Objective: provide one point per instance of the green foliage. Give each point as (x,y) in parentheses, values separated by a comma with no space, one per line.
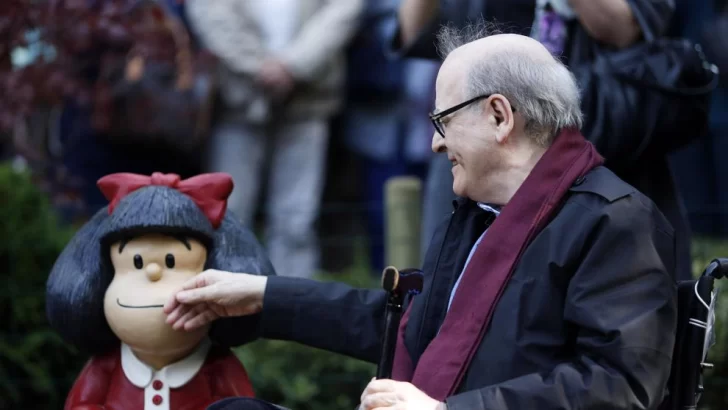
(35,365)
(303,378)
(37,368)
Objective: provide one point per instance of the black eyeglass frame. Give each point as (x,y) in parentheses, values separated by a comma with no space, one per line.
(436,117)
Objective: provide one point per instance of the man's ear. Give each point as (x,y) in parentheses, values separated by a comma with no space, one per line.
(500,108)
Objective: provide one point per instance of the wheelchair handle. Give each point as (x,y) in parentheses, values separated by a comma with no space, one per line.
(717,269)
(397,284)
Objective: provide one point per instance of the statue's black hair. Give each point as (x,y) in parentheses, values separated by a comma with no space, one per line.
(82,273)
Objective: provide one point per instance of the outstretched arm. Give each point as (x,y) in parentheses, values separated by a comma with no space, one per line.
(330,316)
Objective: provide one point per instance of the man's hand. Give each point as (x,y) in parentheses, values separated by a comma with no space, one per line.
(213,294)
(608,21)
(275,77)
(392,395)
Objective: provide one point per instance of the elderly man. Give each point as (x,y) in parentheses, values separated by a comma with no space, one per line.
(550,286)
(574,25)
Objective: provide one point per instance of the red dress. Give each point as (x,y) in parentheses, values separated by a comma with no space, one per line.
(104,383)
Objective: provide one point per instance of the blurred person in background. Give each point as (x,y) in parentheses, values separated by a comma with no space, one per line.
(563,26)
(87,154)
(385,121)
(700,169)
(281,81)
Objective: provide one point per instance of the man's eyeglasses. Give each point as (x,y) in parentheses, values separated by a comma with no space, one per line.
(436,118)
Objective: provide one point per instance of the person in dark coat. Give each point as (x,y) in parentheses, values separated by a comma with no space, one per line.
(613,23)
(551,285)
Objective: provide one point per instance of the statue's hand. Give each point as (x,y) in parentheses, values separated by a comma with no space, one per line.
(214,294)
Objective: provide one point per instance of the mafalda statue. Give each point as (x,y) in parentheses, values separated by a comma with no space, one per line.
(107,289)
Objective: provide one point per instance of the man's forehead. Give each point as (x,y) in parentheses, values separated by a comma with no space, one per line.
(449,85)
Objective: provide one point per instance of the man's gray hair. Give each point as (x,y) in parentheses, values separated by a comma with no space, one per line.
(546,95)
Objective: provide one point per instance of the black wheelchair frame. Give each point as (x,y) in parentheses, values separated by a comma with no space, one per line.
(696,310)
(696,317)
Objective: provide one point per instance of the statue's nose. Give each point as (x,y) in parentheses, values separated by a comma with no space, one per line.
(154,272)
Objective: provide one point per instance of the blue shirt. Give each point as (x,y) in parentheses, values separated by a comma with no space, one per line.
(472,252)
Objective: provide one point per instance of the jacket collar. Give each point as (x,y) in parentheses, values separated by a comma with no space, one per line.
(176,374)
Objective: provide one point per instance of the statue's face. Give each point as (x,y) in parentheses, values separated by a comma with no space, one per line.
(147,269)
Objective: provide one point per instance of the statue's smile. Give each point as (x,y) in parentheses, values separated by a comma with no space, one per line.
(137,307)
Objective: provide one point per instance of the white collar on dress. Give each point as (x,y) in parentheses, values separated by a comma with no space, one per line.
(176,374)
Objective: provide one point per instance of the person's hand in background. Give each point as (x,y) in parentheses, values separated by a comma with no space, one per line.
(414,16)
(276,78)
(213,294)
(609,21)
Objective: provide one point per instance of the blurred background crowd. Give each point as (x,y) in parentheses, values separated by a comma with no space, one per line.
(308,104)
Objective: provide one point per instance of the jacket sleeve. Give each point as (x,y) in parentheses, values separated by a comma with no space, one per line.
(326,315)
(228,33)
(323,36)
(91,386)
(622,305)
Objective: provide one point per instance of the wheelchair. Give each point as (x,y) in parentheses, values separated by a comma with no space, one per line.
(695,336)
(696,318)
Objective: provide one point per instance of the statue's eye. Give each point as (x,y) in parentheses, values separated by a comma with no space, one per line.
(138,261)
(169,260)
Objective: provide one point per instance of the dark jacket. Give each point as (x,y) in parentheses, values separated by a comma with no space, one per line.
(586,322)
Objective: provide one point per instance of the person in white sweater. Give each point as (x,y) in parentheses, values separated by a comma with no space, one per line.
(281,79)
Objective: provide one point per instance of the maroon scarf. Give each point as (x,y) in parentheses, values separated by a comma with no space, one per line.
(446,359)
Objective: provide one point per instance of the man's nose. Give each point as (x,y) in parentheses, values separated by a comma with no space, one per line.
(438,143)
(154,272)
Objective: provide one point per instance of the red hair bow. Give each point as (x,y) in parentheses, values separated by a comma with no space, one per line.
(209,191)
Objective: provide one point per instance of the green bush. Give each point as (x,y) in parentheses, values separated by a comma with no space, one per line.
(303,378)
(36,367)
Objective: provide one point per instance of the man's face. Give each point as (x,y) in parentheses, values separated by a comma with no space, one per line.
(147,269)
(469,142)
